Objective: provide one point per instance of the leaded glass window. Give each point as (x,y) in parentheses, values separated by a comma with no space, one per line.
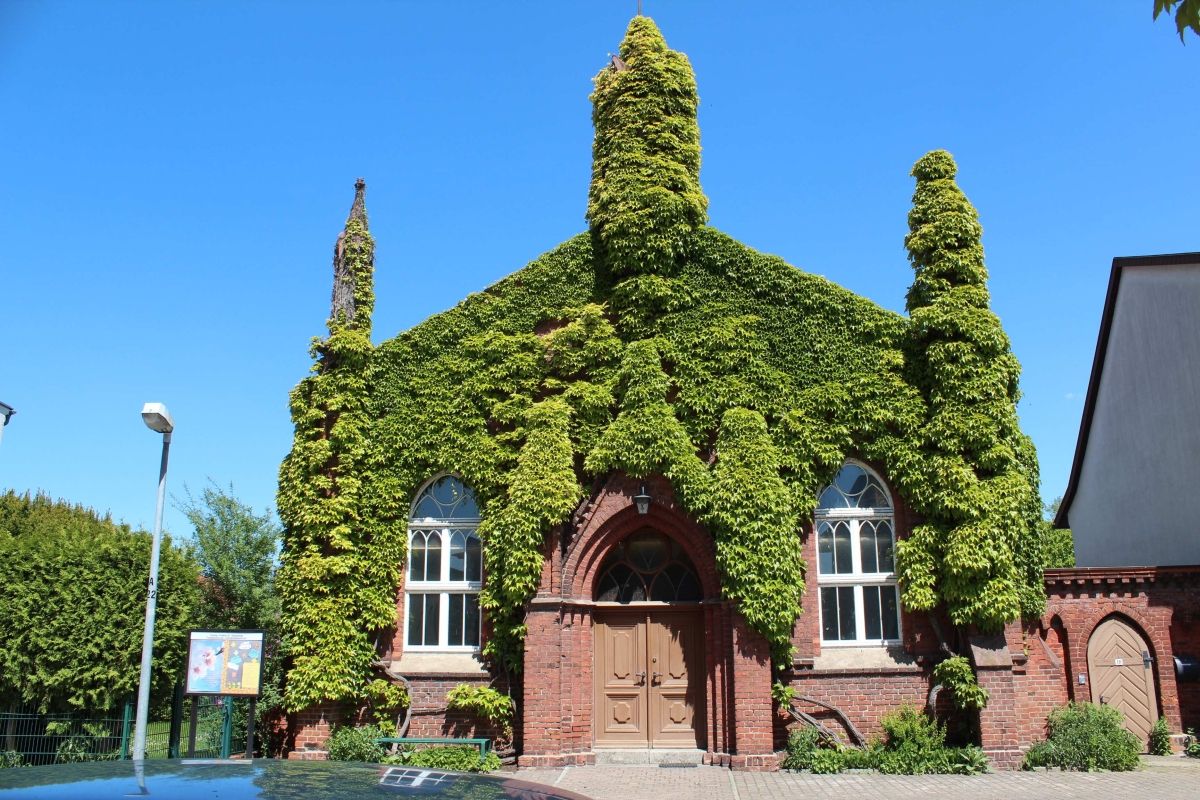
(856,560)
(445,568)
(647,566)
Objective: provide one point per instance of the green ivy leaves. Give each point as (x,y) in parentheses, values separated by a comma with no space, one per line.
(979,548)
(655,346)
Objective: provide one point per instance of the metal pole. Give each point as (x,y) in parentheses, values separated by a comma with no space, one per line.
(126,719)
(250,728)
(176,722)
(143,703)
(226,727)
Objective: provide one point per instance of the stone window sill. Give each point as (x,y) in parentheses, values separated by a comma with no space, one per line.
(439,663)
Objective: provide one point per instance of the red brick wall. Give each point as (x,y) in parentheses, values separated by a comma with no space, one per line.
(864,695)
(741,727)
(1163,603)
(310,729)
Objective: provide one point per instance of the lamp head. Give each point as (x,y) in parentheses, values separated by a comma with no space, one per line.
(7,411)
(157,418)
(642,501)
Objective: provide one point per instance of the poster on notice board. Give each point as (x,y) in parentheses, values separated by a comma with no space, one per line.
(225,663)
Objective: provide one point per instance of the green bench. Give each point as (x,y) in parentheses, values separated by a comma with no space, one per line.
(484,745)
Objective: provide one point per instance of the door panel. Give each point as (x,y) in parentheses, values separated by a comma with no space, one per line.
(675,656)
(650,678)
(621,681)
(1120,677)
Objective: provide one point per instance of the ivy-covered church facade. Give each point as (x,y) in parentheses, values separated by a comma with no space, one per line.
(664,492)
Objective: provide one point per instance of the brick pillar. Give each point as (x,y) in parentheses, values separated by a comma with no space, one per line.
(312,727)
(1000,722)
(999,726)
(541,715)
(751,712)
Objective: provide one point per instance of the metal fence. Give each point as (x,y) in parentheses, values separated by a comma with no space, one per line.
(35,738)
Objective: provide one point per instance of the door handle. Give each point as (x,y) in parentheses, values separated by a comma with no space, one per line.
(654,678)
(641,678)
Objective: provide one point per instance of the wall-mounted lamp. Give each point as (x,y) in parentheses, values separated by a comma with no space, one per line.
(6,411)
(642,500)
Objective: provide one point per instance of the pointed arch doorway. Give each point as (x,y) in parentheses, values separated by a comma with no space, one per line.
(1120,667)
(649,666)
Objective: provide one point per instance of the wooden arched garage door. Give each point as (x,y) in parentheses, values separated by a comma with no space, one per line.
(1122,674)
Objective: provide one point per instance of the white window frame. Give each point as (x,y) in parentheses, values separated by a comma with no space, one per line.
(443,586)
(856,578)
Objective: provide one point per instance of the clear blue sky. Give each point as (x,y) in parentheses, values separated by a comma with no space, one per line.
(173,176)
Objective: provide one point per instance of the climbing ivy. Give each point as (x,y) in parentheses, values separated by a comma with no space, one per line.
(653,345)
(339,570)
(978,549)
(956,675)
(645,200)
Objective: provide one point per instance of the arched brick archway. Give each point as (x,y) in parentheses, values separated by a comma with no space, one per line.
(559,704)
(1151,600)
(612,524)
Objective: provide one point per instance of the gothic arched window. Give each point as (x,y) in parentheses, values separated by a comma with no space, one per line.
(445,568)
(647,566)
(856,559)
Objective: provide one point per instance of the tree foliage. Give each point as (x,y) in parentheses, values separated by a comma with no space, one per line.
(236,550)
(1058,546)
(73,603)
(1187,14)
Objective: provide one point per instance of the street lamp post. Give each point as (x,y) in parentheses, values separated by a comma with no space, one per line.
(157,419)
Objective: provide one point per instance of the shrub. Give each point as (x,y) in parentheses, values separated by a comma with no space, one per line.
(864,758)
(1160,738)
(10,759)
(1193,745)
(1085,737)
(970,760)
(827,762)
(914,744)
(802,743)
(93,743)
(460,758)
(356,744)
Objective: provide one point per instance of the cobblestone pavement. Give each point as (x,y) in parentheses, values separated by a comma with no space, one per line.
(1160,779)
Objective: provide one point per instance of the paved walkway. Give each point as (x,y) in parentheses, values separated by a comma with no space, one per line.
(1161,779)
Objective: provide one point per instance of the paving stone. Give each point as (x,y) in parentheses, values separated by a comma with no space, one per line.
(1159,779)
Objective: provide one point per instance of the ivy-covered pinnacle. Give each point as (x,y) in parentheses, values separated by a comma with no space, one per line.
(338,571)
(645,199)
(982,508)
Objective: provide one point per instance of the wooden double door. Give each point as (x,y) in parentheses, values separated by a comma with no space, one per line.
(649,672)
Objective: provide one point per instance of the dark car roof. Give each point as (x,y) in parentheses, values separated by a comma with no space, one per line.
(261,779)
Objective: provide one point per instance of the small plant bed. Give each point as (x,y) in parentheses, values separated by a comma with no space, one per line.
(1192,749)
(913,744)
(1085,737)
(362,744)
(454,757)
